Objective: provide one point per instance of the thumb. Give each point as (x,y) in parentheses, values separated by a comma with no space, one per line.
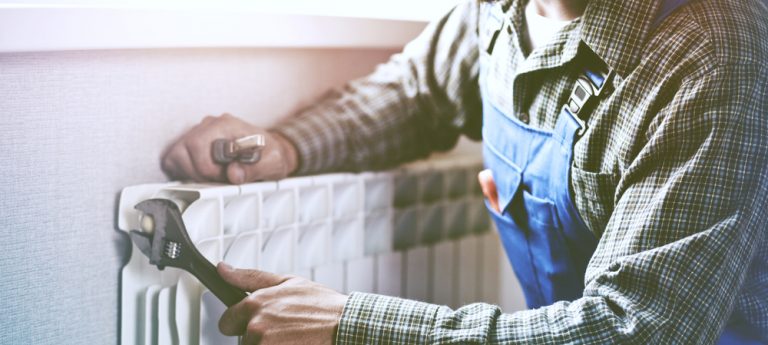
(236,173)
(278,160)
(488,186)
(269,167)
(248,280)
(239,173)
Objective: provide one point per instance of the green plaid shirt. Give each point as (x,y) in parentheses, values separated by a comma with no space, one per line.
(670,176)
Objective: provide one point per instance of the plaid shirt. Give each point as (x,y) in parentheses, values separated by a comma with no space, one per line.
(670,176)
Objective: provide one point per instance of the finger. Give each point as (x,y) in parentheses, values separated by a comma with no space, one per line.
(271,166)
(252,336)
(236,173)
(236,318)
(168,154)
(200,155)
(169,163)
(168,166)
(488,186)
(185,167)
(265,169)
(207,119)
(179,166)
(239,173)
(248,280)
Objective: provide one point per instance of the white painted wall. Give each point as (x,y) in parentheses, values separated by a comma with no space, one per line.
(79,126)
(76,126)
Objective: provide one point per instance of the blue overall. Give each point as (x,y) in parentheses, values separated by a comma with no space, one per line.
(547,242)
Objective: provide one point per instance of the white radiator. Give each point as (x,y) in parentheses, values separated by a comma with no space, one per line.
(419,232)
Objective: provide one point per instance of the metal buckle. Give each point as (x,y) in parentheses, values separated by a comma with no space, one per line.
(583,92)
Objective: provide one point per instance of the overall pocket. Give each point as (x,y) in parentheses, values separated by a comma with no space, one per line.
(531,234)
(549,253)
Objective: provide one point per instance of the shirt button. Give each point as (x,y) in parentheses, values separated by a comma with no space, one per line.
(524,118)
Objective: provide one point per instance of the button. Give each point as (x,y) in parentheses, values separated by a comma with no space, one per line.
(524,118)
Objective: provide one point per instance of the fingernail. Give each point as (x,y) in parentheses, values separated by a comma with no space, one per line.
(225,266)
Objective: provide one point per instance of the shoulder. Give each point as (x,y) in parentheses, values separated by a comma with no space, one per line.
(709,34)
(736,30)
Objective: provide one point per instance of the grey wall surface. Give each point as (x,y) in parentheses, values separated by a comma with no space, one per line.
(76,127)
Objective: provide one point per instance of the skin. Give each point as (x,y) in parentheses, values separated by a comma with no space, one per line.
(280,309)
(284,309)
(189,158)
(560,9)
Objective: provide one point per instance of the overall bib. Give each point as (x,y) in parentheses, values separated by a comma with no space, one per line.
(547,242)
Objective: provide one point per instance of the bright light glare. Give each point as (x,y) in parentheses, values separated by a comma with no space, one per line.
(422,10)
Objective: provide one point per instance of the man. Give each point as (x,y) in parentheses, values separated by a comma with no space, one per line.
(633,210)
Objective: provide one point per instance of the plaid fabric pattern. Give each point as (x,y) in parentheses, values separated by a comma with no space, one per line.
(671,174)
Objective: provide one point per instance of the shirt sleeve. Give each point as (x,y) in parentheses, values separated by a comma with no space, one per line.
(688,222)
(409,107)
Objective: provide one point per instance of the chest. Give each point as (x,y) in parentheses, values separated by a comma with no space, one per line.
(533,89)
(533,86)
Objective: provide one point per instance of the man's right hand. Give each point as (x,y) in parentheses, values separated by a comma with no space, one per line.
(190,156)
(488,186)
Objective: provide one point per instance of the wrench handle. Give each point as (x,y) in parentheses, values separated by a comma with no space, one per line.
(207,274)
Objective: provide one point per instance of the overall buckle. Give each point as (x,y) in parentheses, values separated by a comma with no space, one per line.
(589,86)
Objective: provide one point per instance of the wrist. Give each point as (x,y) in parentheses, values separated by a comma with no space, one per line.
(288,152)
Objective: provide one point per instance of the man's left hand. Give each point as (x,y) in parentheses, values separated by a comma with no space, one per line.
(281,309)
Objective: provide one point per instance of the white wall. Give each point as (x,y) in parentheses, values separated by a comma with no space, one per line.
(76,126)
(79,126)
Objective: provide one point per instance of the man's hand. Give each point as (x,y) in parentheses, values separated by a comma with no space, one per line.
(190,157)
(488,186)
(281,309)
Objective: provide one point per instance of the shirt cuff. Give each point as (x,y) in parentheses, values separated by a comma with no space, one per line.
(376,319)
(316,137)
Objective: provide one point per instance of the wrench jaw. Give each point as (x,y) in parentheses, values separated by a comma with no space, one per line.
(168,244)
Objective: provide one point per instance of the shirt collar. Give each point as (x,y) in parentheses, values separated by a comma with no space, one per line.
(561,48)
(617,29)
(614,29)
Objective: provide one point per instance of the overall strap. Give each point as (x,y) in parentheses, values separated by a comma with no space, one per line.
(588,87)
(596,74)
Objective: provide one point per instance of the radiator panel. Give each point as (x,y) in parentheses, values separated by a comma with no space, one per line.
(418,232)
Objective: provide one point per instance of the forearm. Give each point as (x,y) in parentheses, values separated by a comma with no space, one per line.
(416,103)
(374,319)
(628,303)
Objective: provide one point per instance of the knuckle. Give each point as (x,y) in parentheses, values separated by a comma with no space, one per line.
(166,164)
(175,149)
(291,277)
(195,145)
(253,302)
(256,327)
(170,161)
(294,280)
(207,121)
